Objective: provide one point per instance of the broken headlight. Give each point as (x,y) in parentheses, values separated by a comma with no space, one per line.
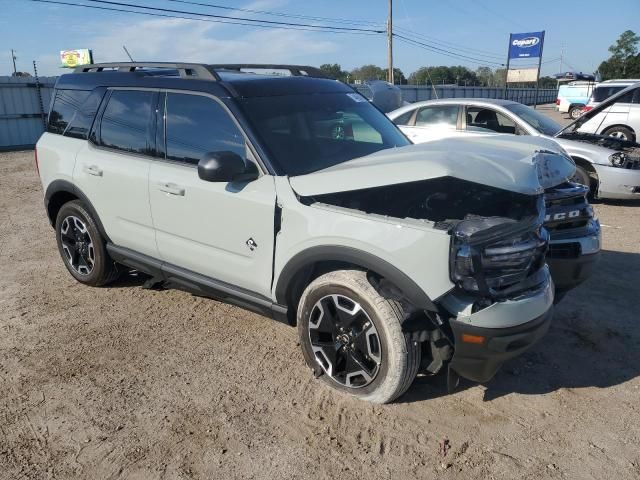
(496,257)
(624,160)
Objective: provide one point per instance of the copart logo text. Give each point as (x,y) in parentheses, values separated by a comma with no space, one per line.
(526,42)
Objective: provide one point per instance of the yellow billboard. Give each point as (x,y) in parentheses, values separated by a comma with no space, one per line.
(74,58)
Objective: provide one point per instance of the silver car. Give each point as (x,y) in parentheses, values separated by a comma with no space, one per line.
(608,165)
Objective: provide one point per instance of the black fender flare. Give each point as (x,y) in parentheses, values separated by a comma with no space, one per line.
(58,186)
(337,253)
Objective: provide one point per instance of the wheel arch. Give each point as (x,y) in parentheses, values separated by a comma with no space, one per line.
(622,125)
(593,173)
(309,264)
(60,192)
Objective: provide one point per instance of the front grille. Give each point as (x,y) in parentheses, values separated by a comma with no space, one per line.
(567,208)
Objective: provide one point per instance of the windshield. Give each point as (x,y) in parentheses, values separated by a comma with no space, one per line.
(538,121)
(306,133)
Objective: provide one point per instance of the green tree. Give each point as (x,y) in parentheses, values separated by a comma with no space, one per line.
(398,77)
(369,72)
(623,59)
(485,76)
(334,70)
(547,82)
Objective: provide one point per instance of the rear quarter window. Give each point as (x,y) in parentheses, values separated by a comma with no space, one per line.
(65,105)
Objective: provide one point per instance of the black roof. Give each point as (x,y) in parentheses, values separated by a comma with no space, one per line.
(220,80)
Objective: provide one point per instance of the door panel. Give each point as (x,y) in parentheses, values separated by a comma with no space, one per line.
(222,230)
(206,227)
(117,185)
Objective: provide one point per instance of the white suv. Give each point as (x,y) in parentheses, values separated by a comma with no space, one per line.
(621,118)
(295,197)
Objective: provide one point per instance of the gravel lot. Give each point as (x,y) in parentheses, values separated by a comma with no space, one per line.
(122,382)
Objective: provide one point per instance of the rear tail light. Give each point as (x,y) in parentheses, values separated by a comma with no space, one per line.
(36,159)
(557,101)
(586,108)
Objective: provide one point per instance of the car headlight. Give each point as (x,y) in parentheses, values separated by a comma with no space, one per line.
(496,266)
(618,159)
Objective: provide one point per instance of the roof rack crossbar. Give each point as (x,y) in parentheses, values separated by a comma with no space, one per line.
(197,71)
(294,70)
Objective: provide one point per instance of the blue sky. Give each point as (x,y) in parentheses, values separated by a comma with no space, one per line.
(585,28)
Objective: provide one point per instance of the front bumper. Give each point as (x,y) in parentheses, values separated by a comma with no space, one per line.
(572,260)
(617,183)
(485,339)
(479,362)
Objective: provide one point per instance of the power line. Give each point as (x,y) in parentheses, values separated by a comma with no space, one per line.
(321,29)
(450,45)
(281,14)
(227,17)
(445,52)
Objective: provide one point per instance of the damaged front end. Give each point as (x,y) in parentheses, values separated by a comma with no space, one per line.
(500,297)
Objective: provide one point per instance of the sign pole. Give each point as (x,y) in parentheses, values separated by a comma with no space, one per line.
(535,100)
(506,74)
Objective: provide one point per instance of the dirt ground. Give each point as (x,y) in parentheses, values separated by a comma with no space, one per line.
(122,382)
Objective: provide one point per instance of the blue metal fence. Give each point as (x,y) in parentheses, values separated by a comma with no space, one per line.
(419,93)
(22,110)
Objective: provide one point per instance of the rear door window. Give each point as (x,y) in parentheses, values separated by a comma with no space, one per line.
(197,125)
(65,104)
(445,115)
(600,94)
(126,122)
(405,118)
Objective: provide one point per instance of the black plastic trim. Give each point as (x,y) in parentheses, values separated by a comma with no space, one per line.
(337,253)
(480,362)
(198,284)
(65,186)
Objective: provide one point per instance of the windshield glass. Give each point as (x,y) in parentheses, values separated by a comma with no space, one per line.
(540,122)
(306,133)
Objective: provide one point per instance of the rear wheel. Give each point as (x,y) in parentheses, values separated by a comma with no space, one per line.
(81,246)
(623,133)
(575,111)
(352,337)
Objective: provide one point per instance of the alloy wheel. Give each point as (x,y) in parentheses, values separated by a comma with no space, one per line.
(77,245)
(345,341)
(619,135)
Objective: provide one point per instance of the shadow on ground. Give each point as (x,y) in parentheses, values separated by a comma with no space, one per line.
(594,340)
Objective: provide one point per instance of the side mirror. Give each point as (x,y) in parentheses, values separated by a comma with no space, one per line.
(226,166)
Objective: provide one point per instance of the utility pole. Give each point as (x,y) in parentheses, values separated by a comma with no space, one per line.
(13,59)
(561,57)
(390,42)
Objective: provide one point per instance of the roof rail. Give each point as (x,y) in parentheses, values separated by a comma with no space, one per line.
(294,70)
(197,71)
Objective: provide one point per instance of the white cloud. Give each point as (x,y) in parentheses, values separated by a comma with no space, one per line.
(195,41)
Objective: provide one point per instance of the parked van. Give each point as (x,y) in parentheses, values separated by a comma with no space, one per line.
(573,96)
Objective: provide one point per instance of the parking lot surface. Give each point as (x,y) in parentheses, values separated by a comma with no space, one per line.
(122,382)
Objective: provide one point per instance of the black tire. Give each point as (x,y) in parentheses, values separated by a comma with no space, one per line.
(620,132)
(398,358)
(575,111)
(81,246)
(581,176)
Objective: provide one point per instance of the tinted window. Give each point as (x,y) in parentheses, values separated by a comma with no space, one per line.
(126,121)
(306,133)
(83,119)
(600,94)
(65,105)
(197,125)
(437,115)
(479,118)
(404,118)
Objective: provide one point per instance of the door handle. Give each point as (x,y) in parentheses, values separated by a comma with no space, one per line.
(171,189)
(93,170)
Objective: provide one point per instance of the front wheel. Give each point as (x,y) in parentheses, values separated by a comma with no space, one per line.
(581,176)
(353,338)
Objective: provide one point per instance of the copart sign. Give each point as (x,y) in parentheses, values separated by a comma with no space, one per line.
(525,45)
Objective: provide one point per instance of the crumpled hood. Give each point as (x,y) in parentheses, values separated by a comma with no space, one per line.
(525,165)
